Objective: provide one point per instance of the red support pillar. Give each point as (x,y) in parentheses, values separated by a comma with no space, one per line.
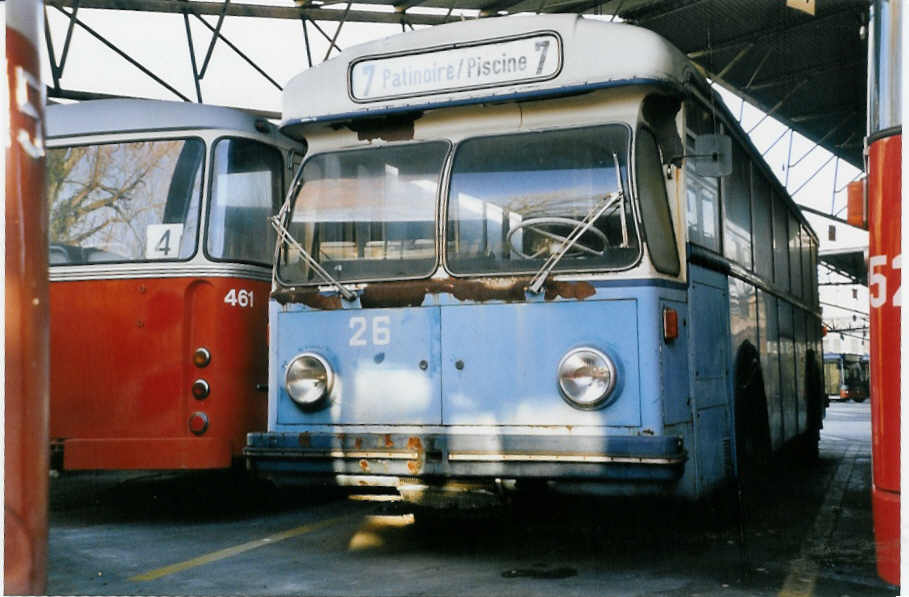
(26,310)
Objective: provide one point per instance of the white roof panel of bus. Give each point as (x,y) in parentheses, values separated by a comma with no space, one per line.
(594,54)
(125,115)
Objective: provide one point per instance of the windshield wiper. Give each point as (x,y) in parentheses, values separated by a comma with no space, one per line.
(592,216)
(284,236)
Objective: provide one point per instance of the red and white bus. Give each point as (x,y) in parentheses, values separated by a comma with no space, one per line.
(25,314)
(884,146)
(160,253)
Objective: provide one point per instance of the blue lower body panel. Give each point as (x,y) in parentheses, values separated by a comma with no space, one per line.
(461,456)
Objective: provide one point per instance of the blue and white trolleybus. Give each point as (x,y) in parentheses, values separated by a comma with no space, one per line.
(533,250)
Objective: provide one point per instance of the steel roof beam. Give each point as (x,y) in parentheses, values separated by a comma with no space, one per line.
(742,53)
(661,10)
(306,40)
(253,10)
(820,141)
(402,6)
(334,39)
(492,9)
(864,314)
(767,34)
(810,72)
(239,52)
(577,6)
(786,121)
(121,53)
(214,39)
(48,40)
(73,94)
(832,112)
(192,58)
(778,105)
(57,68)
(810,178)
(331,42)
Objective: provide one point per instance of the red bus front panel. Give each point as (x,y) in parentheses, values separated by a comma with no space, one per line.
(122,355)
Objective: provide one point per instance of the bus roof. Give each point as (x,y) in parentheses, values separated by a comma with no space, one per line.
(481,60)
(108,116)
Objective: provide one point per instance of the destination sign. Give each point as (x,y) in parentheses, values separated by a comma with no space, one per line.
(534,58)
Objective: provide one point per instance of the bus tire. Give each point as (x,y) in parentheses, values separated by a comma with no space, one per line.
(752,428)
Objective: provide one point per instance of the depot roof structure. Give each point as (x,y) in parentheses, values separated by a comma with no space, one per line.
(801,61)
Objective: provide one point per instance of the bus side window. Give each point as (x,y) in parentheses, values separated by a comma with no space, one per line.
(702,193)
(246,190)
(795,256)
(762,219)
(737,209)
(780,243)
(661,242)
(808,276)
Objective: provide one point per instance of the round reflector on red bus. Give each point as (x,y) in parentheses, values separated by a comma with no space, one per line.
(201,389)
(198,423)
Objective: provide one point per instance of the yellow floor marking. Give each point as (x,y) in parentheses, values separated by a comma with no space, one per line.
(803,570)
(232,551)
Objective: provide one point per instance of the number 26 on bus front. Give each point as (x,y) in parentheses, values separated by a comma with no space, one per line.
(381,332)
(877,281)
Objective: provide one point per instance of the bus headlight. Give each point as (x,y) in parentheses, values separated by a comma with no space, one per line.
(587,377)
(308,380)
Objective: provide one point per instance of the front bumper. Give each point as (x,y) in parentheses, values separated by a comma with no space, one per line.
(457,456)
(143,453)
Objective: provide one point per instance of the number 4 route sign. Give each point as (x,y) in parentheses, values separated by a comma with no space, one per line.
(162,241)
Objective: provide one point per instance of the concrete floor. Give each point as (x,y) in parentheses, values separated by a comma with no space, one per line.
(807,533)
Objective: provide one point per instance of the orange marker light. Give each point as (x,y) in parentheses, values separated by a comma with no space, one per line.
(201,358)
(857,204)
(670,324)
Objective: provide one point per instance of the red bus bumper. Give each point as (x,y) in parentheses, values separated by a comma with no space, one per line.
(146,453)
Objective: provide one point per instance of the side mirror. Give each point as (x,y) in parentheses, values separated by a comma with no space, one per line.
(712,155)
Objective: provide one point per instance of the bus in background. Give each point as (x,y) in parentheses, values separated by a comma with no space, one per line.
(884,150)
(25,313)
(846,376)
(160,256)
(504,263)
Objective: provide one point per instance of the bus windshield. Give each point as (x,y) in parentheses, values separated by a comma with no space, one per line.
(367,214)
(514,200)
(122,202)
